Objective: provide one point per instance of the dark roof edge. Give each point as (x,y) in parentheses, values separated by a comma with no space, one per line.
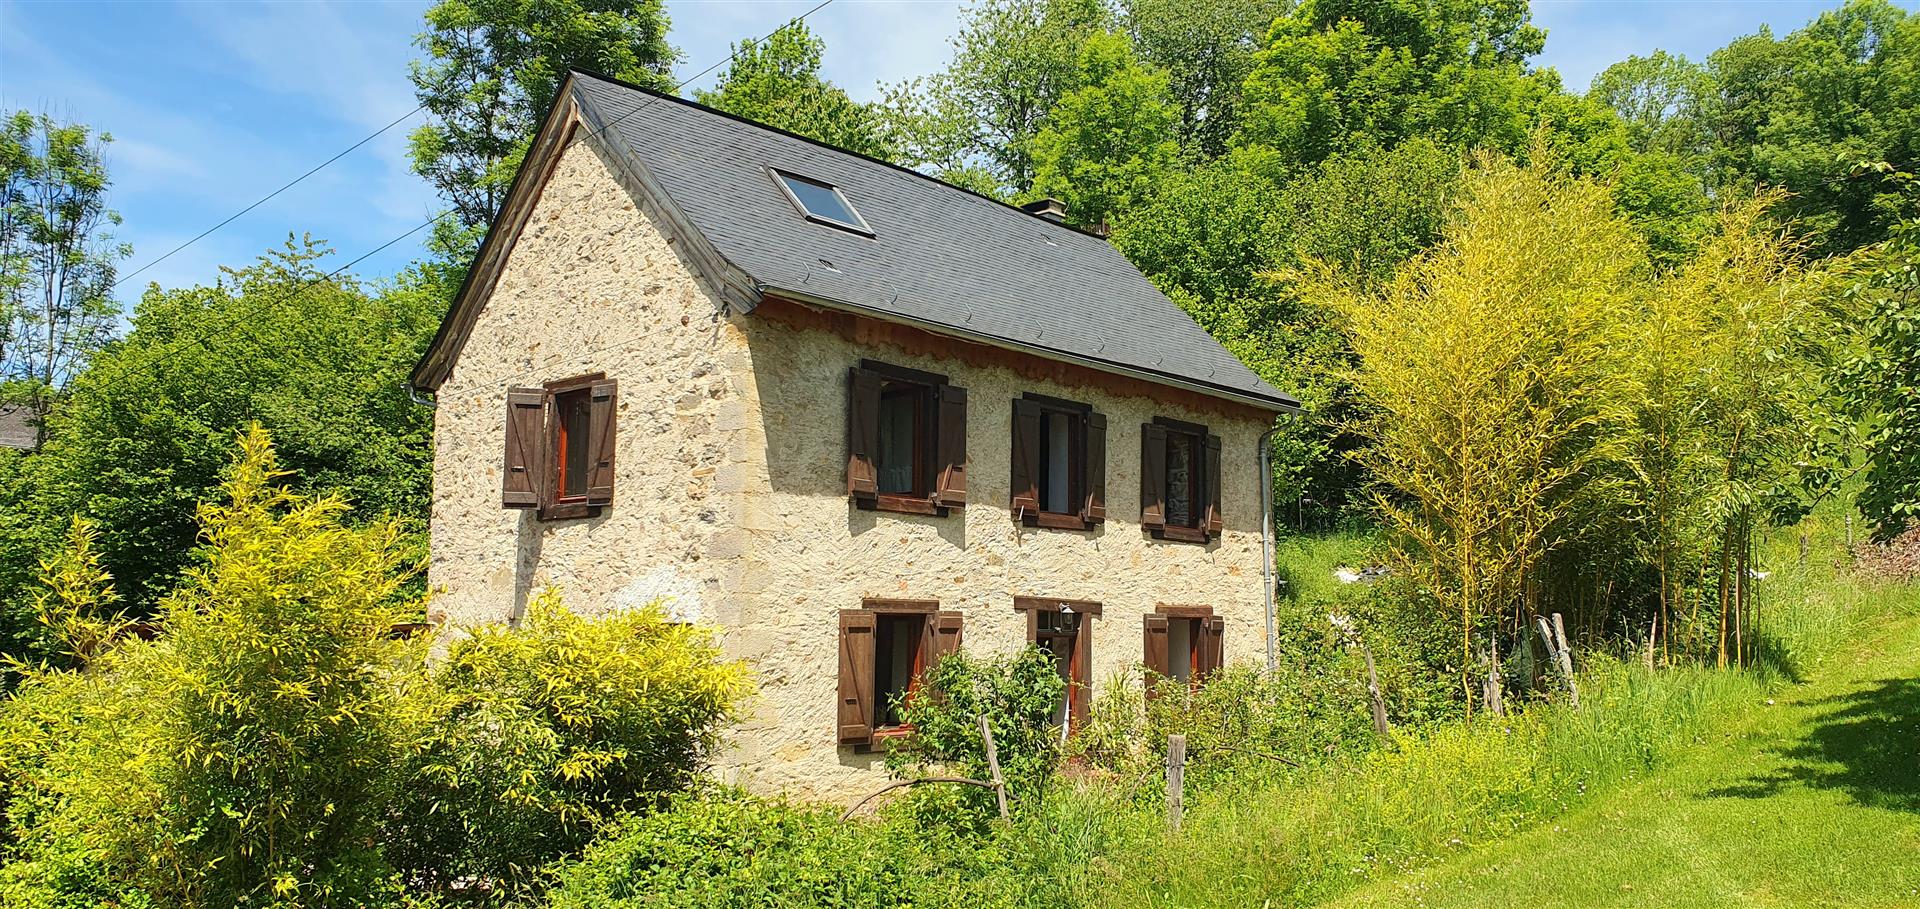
(1282,404)
(830,147)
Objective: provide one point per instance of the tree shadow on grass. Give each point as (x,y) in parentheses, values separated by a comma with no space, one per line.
(1865,743)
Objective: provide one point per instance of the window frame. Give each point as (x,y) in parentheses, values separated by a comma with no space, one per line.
(1204,477)
(1086,480)
(1079,693)
(857,226)
(939,486)
(1206,633)
(555,505)
(932,621)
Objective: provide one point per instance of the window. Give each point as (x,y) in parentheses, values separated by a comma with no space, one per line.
(906,440)
(821,202)
(1060,628)
(560,447)
(1059,461)
(1179,481)
(885,647)
(1183,643)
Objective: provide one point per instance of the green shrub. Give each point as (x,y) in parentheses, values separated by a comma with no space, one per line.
(537,735)
(1016,694)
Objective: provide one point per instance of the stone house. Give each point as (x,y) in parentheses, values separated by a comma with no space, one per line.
(846,413)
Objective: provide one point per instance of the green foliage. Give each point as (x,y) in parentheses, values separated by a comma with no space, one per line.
(1882,378)
(76,603)
(1207,51)
(1016,694)
(492,69)
(778,82)
(536,736)
(1107,144)
(142,437)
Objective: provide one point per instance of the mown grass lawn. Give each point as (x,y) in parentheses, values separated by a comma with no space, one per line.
(1812,800)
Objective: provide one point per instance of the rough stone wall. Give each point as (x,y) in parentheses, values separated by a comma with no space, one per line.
(730,487)
(593,286)
(812,553)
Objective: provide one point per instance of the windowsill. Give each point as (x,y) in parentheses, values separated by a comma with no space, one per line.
(563,511)
(1181,534)
(887,738)
(904,504)
(1056,520)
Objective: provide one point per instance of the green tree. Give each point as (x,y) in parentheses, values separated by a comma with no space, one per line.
(141,437)
(777,82)
(493,67)
(57,258)
(1882,378)
(1207,49)
(1108,144)
(1664,99)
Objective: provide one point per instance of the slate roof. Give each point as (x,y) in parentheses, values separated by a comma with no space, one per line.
(16,427)
(939,256)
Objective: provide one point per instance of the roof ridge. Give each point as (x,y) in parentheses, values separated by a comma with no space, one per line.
(689,102)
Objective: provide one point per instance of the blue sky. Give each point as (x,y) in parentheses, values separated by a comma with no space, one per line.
(213,104)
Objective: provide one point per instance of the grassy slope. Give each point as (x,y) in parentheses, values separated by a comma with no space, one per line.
(1811,801)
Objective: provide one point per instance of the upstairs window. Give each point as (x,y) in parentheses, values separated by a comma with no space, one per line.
(1059,460)
(1179,481)
(821,202)
(906,440)
(560,447)
(886,646)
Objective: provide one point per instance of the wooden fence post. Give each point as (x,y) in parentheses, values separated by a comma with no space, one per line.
(993,765)
(1566,661)
(1373,690)
(1176,780)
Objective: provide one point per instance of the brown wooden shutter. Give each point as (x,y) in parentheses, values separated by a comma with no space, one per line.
(857,636)
(1212,638)
(1026,458)
(1096,507)
(1153,476)
(1154,647)
(1080,696)
(1214,522)
(951,488)
(526,448)
(863,430)
(603,419)
(942,636)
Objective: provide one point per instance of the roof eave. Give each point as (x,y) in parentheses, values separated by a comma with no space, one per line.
(1281,404)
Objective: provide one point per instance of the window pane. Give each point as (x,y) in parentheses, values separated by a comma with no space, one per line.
(899,435)
(1056,493)
(1180,639)
(575,413)
(1182,461)
(821,201)
(896,653)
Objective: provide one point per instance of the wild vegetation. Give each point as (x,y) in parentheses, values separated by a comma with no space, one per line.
(1636,355)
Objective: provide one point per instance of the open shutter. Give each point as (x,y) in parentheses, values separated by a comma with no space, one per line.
(857,635)
(1096,507)
(863,429)
(942,636)
(1153,476)
(602,419)
(951,488)
(1154,648)
(1212,482)
(526,446)
(1212,637)
(1026,458)
(1080,695)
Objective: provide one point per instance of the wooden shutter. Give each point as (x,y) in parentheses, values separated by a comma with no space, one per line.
(1080,695)
(858,632)
(1153,476)
(1154,647)
(1026,458)
(863,430)
(602,420)
(942,636)
(951,444)
(526,446)
(1096,507)
(1212,637)
(1212,482)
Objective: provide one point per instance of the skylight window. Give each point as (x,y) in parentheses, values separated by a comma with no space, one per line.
(822,202)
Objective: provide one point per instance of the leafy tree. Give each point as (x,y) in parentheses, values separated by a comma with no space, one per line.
(1109,143)
(141,437)
(1013,61)
(493,67)
(1882,378)
(1664,99)
(778,82)
(57,259)
(1796,112)
(1207,49)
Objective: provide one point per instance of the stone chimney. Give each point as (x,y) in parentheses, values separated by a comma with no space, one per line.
(1051,209)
